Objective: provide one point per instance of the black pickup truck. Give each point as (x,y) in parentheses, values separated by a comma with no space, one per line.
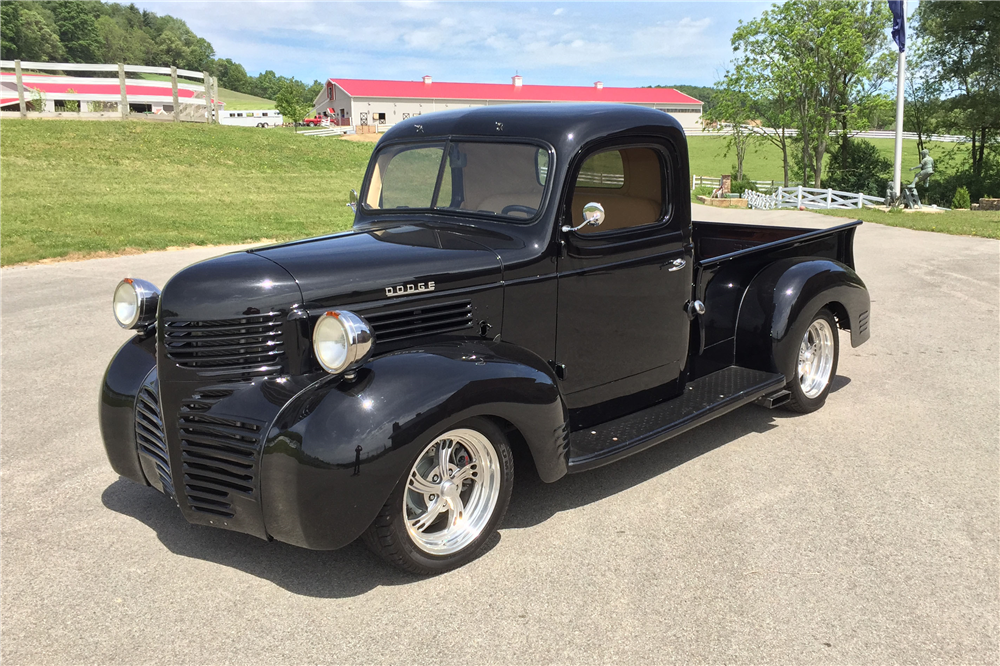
(519,281)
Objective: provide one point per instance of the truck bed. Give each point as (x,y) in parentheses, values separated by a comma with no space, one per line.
(716,242)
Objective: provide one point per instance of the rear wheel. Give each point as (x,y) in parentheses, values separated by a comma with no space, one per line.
(443,512)
(815,364)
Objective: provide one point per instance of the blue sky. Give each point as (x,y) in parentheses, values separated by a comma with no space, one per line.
(552,43)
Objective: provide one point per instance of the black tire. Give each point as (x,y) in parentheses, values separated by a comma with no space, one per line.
(389,537)
(802,401)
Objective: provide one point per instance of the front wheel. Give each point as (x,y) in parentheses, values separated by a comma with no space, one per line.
(815,364)
(444,510)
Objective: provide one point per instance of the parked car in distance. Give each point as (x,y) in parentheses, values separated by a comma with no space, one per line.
(520,280)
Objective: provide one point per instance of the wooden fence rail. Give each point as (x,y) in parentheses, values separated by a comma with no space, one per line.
(193,101)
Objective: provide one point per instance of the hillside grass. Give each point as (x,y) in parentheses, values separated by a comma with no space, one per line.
(78,188)
(235,101)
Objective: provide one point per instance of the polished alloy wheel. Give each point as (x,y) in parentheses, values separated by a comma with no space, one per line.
(816,354)
(451,492)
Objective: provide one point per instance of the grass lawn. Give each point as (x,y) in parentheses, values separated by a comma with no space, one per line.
(79,188)
(707,155)
(957,222)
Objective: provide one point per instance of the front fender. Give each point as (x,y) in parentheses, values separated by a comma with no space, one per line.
(121,385)
(337,450)
(776,308)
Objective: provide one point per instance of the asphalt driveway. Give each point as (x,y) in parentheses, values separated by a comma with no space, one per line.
(866,533)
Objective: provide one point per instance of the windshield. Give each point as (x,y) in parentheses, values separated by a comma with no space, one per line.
(497,179)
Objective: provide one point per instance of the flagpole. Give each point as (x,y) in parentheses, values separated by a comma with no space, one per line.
(897,168)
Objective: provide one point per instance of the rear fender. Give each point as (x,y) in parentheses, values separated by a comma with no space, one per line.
(778,304)
(337,450)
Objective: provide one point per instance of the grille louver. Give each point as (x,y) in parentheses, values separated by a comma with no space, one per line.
(220,459)
(227,346)
(426,320)
(149,435)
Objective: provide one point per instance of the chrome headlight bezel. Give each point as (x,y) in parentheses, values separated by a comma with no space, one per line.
(357,336)
(146,298)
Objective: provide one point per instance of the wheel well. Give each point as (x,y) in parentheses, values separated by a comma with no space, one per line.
(523,459)
(840,312)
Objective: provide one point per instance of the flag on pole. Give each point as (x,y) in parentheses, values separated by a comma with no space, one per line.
(898,23)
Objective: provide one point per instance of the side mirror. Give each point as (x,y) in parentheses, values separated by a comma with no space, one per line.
(593,215)
(353,205)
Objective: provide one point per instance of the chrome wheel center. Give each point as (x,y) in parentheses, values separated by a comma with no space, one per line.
(815,363)
(451,492)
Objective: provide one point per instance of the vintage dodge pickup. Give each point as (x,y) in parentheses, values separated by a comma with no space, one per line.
(519,281)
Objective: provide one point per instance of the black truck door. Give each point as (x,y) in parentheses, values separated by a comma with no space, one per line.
(622,333)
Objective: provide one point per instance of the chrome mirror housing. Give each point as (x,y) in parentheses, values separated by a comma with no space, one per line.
(593,215)
(353,201)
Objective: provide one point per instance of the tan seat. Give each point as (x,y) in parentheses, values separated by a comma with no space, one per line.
(639,201)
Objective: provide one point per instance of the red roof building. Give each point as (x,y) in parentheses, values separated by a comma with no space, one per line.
(367,102)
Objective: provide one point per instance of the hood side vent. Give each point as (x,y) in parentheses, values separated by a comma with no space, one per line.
(421,321)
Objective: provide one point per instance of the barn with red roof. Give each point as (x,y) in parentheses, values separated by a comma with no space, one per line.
(368,102)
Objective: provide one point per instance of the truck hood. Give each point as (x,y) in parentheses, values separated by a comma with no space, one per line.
(377,264)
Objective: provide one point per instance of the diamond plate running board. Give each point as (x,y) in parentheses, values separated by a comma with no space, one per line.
(703,399)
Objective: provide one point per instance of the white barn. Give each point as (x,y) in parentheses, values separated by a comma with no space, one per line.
(368,102)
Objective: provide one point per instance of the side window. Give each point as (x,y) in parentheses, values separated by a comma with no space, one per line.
(628,182)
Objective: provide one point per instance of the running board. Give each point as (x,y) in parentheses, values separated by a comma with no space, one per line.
(703,399)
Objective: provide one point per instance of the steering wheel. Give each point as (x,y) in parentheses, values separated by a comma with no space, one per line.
(518,208)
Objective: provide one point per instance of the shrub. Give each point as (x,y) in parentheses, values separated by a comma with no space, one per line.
(741,186)
(71,105)
(702,191)
(864,169)
(961,198)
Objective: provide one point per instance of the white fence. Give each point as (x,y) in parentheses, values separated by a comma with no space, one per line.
(810,198)
(868,134)
(92,97)
(715,183)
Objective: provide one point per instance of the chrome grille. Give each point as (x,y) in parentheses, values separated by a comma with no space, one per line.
(426,320)
(219,460)
(149,435)
(226,346)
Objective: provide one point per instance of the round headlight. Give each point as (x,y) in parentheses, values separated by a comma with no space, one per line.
(341,340)
(134,303)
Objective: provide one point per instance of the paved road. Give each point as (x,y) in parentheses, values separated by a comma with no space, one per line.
(866,533)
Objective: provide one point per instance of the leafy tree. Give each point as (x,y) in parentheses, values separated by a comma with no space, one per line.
(289,102)
(822,62)
(731,113)
(38,39)
(77,25)
(964,41)
(961,198)
(231,75)
(10,30)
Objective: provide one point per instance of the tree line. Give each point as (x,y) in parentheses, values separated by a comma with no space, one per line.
(99,32)
(827,70)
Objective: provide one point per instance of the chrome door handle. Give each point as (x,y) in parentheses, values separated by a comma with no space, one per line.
(676,265)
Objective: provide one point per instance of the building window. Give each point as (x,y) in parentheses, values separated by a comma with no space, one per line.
(329,92)
(379,117)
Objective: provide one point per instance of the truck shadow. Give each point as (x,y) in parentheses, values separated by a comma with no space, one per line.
(343,573)
(353,570)
(534,502)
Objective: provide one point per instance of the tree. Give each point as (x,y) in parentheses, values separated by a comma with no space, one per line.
(963,39)
(731,113)
(820,62)
(289,102)
(77,27)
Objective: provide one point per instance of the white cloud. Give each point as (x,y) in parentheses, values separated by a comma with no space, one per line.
(619,43)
